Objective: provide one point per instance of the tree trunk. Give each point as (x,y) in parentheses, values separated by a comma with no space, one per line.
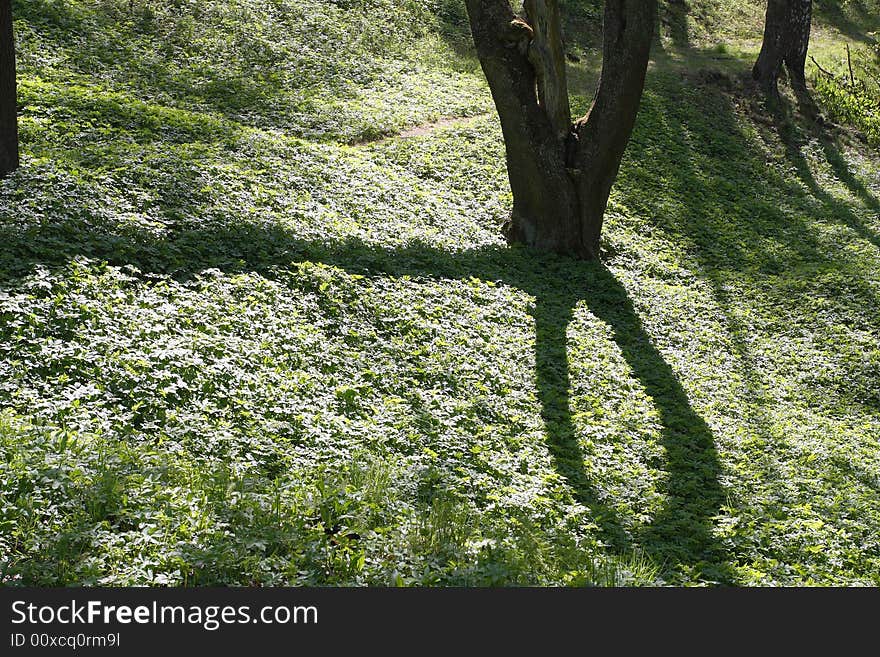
(800,21)
(547,56)
(786,39)
(560,172)
(604,132)
(8,99)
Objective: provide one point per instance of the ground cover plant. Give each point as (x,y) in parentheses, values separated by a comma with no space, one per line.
(249,336)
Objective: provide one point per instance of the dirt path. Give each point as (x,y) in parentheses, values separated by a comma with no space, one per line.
(425,129)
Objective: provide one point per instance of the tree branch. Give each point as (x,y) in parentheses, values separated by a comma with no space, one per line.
(604,132)
(852,78)
(828,73)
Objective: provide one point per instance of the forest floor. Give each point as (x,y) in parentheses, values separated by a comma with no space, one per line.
(258,325)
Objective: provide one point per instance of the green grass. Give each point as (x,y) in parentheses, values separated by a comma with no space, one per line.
(705,23)
(236,348)
(329,70)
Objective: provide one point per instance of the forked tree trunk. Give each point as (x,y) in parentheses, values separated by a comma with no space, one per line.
(8,101)
(786,39)
(561,172)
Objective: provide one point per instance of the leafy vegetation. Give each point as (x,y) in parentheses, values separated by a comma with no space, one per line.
(852,96)
(340,70)
(244,342)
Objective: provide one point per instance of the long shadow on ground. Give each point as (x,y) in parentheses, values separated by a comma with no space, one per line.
(681,533)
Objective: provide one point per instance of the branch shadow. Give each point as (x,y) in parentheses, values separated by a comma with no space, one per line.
(552,315)
(681,532)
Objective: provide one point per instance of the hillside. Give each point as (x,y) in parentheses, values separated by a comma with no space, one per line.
(251,335)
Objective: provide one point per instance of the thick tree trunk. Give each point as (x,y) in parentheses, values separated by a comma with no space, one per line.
(544,196)
(800,21)
(766,69)
(8,100)
(786,39)
(560,172)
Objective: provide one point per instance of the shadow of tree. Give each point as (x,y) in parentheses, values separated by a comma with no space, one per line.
(681,533)
(748,227)
(706,159)
(795,155)
(834,14)
(704,155)
(673,16)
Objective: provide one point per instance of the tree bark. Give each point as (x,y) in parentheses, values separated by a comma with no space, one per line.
(560,172)
(545,200)
(786,39)
(604,132)
(800,21)
(8,98)
(547,56)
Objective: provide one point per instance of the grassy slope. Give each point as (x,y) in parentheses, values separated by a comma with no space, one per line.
(238,349)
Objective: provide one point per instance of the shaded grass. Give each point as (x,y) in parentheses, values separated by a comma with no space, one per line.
(232,356)
(320,70)
(791,275)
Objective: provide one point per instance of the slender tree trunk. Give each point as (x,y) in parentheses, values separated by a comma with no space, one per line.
(8,100)
(786,39)
(560,172)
